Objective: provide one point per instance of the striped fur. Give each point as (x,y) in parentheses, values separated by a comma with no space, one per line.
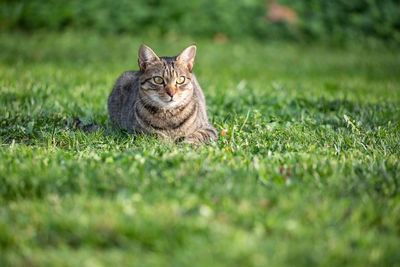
(174,109)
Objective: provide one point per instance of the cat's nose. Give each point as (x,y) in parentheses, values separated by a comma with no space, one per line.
(171,92)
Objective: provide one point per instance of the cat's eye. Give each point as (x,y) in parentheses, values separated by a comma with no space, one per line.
(158,80)
(180,80)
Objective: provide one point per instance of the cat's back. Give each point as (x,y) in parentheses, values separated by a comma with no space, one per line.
(124,90)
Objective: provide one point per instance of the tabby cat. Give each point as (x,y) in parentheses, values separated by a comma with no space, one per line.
(163,98)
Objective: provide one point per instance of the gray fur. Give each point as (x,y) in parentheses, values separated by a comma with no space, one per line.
(138,104)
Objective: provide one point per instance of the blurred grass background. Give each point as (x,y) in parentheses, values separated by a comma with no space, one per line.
(303,20)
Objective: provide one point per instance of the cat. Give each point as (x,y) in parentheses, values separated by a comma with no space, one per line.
(162,98)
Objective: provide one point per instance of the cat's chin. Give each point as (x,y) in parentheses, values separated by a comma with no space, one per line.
(165,104)
(170,103)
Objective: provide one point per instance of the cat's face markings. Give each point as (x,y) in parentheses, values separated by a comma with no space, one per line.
(166,81)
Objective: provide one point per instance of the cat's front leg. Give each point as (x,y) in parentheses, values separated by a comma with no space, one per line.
(201,135)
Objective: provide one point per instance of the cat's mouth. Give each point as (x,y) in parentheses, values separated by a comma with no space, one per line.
(171,102)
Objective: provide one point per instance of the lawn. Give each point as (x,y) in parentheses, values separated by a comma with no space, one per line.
(308,172)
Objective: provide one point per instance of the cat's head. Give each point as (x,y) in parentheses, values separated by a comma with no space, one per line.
(166,82)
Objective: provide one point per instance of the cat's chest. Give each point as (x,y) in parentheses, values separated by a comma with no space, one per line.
(168,114)
(177,119)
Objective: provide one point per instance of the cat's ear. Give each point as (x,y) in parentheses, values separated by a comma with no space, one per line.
(146,56)
(187,56)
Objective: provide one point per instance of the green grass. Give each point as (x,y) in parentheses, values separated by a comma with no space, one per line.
(307,174)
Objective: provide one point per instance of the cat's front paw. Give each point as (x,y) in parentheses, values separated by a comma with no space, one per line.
(187,140)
